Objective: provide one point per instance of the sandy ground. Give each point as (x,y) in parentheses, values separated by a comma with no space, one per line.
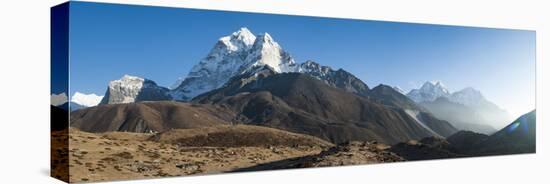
(121,156)
(353,153)
(124,156)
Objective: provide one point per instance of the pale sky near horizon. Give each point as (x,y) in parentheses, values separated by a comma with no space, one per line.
(162,44)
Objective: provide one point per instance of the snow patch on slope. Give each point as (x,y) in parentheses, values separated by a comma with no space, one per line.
(398,89)
(415,115)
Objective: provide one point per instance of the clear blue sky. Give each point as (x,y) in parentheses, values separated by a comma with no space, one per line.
(162,44)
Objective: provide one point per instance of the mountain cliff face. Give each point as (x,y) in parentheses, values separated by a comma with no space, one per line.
(130,89)
(265,51)
(233,55)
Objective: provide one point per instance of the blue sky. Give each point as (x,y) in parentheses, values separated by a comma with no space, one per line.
(162,44)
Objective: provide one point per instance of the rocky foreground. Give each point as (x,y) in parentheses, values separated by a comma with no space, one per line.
(122,155)
(353,153)
(236,148)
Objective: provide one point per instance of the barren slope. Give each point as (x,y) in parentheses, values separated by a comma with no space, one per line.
(123,155)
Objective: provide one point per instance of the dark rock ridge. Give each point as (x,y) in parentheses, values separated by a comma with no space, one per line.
(295,102)
(390,97)
(425,149)
(335,78)
(517,138)
(147,117)
(387,95)
(300,103)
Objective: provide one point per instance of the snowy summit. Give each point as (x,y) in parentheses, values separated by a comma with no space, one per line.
(429,92)
(86,100)
(232,55)
(130,89)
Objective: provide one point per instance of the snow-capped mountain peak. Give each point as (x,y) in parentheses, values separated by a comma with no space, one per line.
(312,67)
(236,54)
(242,39)
(266,39)
(129,81)
(432,90)
(429,91)
(266,51)
(245,35)
(127,88)
(133,89)
(468,96)
(436,87)
(336,78)
(436,83)
(87,100)
(233,55)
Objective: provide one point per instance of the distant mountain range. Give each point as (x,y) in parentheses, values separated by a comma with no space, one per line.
(235,54)
(429,91)
(78,101)
(300,103)
(466,109)
(461,116)
(294,102)
(250,79)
